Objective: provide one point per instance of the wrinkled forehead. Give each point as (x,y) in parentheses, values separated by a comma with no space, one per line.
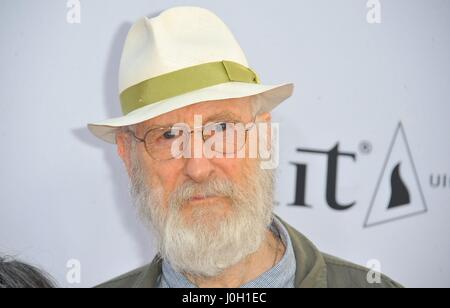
(237,109)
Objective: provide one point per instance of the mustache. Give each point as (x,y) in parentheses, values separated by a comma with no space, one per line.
(213,188)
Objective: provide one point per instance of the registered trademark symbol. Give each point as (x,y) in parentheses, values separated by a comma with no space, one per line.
(365,147)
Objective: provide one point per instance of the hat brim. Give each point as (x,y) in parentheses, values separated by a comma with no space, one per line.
(268,97)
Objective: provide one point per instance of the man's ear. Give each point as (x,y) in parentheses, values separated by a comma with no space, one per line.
(123,141)
(264,117)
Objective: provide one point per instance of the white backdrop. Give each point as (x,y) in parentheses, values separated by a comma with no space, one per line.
(64,194)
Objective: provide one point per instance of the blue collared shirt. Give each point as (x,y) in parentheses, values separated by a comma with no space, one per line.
(282,275)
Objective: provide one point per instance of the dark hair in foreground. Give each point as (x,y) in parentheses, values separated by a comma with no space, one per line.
(15,274)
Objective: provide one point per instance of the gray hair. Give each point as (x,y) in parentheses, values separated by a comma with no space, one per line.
(255,100)
(15,274)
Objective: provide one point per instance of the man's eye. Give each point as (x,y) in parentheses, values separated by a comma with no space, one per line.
(169,135)
(220,127)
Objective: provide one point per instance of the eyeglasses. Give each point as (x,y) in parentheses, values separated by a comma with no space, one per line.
(223,138)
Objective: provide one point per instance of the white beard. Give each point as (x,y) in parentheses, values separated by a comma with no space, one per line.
(206,246)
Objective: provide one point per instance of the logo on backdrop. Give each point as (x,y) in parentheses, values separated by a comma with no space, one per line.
(398,193)
(332,170)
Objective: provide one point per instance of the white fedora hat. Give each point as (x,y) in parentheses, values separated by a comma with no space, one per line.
(184,56)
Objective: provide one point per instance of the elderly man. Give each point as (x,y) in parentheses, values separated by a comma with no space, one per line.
(194,112)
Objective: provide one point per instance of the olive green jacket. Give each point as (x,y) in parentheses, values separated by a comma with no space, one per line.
(314,270)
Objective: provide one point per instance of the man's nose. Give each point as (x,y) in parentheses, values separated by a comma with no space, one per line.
(199,169)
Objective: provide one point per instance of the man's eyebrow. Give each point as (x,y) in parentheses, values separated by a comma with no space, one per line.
(221,116)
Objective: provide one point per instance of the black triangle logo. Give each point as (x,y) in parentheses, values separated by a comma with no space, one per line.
(398,193)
